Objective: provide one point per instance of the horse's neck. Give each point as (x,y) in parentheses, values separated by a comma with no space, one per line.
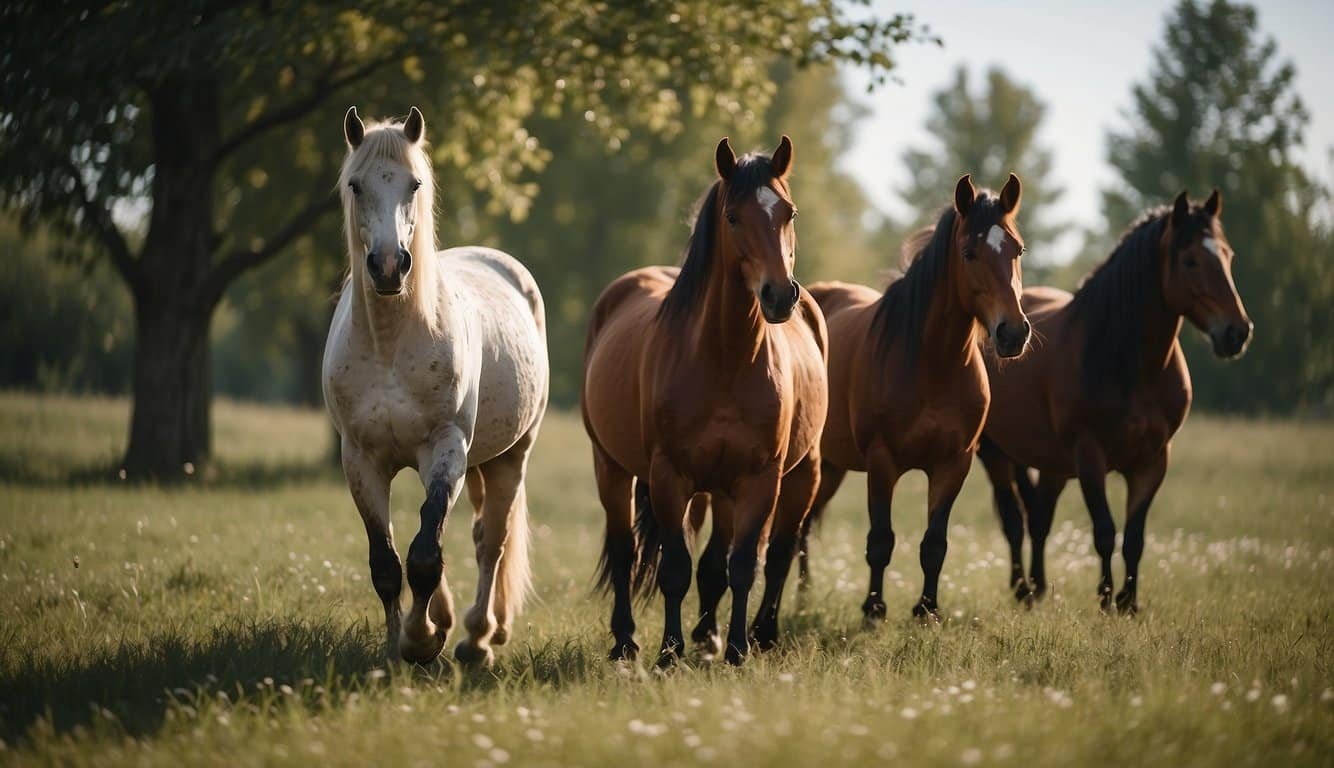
(947,334)
(1161,328)
(730,324)
(384,320)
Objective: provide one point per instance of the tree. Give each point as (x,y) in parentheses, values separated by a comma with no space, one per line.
(988,134)
(196,107)
(1220,110)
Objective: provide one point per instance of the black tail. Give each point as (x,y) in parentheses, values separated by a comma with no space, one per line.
(648,544)
(643,549)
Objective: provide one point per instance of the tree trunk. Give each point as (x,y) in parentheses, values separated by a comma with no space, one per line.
(169,428)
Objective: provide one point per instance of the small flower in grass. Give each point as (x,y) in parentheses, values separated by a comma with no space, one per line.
(1327,694)
(1218,689)
(1137,701)
(482,741)
(908,713)
(377,673)
(499,756)
(1280,703)
(1253,695)
(971,756)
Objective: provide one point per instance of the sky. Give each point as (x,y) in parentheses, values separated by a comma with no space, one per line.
(1081,58)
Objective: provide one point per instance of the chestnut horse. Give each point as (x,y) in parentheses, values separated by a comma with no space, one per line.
(908,387)
(710,379)
(1106,387)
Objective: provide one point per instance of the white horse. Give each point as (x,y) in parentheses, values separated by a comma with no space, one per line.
(435,361)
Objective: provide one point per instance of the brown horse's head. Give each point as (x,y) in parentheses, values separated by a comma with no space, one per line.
(1197,275)
(985,261)
(758,229)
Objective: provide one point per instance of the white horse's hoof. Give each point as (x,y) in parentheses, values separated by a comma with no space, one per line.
(474,655)
(501,635)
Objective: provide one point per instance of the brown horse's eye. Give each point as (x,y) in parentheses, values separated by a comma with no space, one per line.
(731,219)
(969,254)
(1190,261)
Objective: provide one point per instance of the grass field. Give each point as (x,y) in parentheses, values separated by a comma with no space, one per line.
(234,622)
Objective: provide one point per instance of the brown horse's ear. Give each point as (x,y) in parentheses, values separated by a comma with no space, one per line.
(1214,205)
(1011,194)
(1180,210)
(724,159)
(353,129)
(782,158)
(415,126)
(964,194)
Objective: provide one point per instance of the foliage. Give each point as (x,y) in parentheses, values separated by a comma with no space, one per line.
(223,625)
(988,134)
(1220,110)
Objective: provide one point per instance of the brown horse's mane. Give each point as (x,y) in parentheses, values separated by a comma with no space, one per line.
(752,171)
(1111,302)
(901,312)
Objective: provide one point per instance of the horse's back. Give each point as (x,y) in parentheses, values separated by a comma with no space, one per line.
(834,296)
(620,326)
(1041,301)
(491,263)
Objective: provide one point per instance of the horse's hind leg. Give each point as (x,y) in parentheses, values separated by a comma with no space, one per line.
(1093,482)
(713,575)
(369,485)
(500,533)
(1041,512)
(1001,471)
(1141,486)
(795,495)
(831,477)
(619,558)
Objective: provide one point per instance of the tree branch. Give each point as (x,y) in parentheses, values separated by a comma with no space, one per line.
(242,259)
(323,87)
(97,221)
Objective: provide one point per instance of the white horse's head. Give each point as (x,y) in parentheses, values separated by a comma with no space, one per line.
(388,194)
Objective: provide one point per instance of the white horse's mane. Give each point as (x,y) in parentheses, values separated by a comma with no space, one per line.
(386,141)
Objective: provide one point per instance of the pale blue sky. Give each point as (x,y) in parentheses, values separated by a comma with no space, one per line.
(1081,58)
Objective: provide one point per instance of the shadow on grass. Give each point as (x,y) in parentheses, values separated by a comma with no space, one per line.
(134,682)
(20,470)
(139,683)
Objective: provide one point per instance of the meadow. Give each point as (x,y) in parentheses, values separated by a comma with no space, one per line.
(232,622)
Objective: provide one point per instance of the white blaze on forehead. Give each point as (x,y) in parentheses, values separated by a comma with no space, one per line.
(767,199)
(995,237)
(1210,245)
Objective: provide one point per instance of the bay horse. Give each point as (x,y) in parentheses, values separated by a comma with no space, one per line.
(1107,387)
(708,379)
(907,384)
(435,361)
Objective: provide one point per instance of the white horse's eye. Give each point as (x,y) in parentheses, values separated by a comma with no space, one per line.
(355,187)
(416,184)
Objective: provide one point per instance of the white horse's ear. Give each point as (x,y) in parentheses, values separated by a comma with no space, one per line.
(353,129)
(415,126)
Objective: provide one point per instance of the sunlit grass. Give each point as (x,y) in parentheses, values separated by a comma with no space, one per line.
(235,622)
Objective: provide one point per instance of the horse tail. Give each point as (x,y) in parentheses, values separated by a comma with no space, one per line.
(515,577)
(648,544)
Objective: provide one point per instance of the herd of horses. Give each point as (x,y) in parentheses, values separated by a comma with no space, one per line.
(724,388)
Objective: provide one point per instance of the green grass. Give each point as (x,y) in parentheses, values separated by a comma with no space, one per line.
(234,622)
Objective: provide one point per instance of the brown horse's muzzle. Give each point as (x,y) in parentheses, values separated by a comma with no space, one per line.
(777,304)
(1231,339)
(1011,338)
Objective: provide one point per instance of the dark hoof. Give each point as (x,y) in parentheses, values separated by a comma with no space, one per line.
(735,656)
(1024,592)
(1039,590)
(472,655)
(927,613)
(624,650)
(708,642)
(1126,603)
(670,653)
(874,610)
(423,653)
(765,637)
(1105,600)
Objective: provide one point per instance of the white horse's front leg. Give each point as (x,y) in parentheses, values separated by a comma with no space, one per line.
(422,638)
(369,485)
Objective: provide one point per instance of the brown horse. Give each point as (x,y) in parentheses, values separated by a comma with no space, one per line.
(1106,385)
(908,387)
(709,379)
